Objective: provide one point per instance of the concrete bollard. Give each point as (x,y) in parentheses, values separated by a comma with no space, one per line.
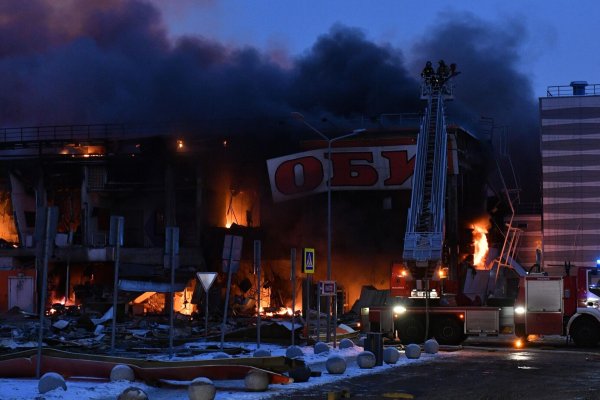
(335,365)
(321,348)
(261,353)
(431,346)
(256,381)
(122,372)
(50,381)
(412,351)
(293,352)
(346,344)
(391,355)
(202,389)
(366,360)
(300,374)
(133,393)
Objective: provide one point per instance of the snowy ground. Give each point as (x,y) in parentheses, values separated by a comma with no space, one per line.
(21,389)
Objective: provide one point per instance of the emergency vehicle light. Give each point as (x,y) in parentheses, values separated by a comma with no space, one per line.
(519,310)
(399,309)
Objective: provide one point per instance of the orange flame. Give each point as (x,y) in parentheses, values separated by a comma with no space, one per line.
(480,244)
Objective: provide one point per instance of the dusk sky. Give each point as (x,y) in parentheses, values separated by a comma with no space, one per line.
(556,38)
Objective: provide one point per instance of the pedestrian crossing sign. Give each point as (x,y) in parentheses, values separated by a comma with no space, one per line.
(308,261)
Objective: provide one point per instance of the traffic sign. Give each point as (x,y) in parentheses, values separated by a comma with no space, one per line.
(232,252)
(206,278)
(308,260)
(327,288)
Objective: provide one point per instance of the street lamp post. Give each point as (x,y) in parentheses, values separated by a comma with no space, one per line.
(329,140)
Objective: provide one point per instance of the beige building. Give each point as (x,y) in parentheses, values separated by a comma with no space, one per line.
(570,146)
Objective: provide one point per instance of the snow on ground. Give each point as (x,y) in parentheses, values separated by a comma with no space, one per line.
(27,389)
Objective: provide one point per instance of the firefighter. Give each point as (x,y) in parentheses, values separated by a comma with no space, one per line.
(427,72)
(442,71)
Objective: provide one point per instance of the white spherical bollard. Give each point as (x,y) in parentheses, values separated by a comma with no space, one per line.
(391,355)
(220,354)
(335,365)
(122,372)
(133,393)
(366,360)
(202,389)
(293,352)
(346,344)
(50,381)
(256,381)
(431,346)
(412,351)
(261,353)
(321,347)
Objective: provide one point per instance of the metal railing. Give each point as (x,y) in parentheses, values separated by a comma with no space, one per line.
(76,132)
(568,90)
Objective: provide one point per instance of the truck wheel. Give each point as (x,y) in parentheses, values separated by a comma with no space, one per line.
(449,331)
(411,330)
(585,332)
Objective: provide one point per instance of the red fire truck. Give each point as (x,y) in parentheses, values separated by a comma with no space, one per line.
(546,305)
(419,305)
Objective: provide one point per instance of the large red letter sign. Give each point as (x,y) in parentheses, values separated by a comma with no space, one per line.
(299,175)
(346,173)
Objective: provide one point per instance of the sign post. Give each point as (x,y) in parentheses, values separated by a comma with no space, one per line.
(232,253)
(172,250)
(46,223)
(293,279)
(308,268)
(206,279)
(257,269)
(115,238)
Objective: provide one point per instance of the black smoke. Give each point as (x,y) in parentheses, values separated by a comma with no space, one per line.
(491,87)
(112,61)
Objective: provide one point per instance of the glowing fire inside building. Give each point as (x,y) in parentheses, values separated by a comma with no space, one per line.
(480,245)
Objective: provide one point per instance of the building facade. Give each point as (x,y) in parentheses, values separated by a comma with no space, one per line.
(570,146)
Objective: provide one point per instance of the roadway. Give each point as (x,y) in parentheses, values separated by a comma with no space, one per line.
(483,368)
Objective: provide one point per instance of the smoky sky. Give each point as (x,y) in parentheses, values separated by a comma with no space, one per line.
(113,61)
(491,86)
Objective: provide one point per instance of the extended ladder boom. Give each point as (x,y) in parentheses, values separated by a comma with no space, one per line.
(423,241)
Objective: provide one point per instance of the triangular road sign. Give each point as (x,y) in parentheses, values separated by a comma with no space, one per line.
(206,278)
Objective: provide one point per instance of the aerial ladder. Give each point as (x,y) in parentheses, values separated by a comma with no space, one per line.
(424,236)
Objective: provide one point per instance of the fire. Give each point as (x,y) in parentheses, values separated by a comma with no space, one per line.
(480,244)
(281,312)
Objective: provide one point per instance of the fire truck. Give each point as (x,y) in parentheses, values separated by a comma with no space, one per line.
(420,306)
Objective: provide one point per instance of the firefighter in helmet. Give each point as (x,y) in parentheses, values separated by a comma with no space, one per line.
(427,72)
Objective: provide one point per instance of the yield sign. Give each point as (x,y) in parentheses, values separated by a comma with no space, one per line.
(207,279)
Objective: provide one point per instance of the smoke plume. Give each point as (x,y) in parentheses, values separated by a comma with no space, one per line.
(74,62)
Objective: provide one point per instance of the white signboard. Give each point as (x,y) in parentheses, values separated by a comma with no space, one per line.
(353,168)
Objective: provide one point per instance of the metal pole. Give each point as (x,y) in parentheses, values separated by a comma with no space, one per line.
(307,305)
(335,303)
(116,285)
(293,279)
(318,315)
(329,176)
(172,293)
(257,266)
(206,315)
(227,293)
(42,310)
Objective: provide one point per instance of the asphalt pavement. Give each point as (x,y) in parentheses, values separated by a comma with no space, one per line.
(483,368)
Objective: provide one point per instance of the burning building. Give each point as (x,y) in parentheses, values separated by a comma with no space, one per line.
(209,188)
